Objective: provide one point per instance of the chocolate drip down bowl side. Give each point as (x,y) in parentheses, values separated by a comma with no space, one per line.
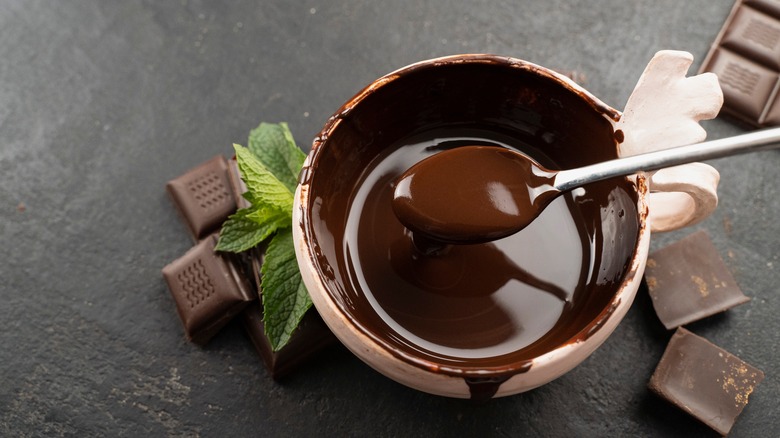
(483,320)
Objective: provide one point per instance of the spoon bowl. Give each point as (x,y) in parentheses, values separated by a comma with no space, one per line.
(472,194)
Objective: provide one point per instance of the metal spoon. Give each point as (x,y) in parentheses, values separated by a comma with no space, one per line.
(475,194)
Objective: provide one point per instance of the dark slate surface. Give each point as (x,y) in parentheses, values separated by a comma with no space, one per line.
(101,103)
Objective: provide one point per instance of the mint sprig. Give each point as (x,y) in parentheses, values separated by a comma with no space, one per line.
(269,167)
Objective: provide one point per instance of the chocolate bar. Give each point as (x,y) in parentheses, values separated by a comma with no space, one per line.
(203,197)
(311,337)
(209,290)
(704,380)
(688,281)
(746,58)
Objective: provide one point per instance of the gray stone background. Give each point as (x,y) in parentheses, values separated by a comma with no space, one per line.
(102,102)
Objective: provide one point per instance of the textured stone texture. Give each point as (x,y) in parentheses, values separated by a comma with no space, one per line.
(101,103)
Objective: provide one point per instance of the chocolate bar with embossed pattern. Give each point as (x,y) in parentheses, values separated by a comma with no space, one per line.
(746,58)
(203,196)
(209,289)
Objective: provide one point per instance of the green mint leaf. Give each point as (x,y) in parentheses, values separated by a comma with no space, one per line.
(248,227)
(274,146)
(285,298)
(263,188)
(267,214)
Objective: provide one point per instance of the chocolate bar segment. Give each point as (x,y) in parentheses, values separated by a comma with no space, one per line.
(704,380)
(208,288)
(746,58)
(747,86)
(203,197)
(754,35)
(688,281)
(311,337)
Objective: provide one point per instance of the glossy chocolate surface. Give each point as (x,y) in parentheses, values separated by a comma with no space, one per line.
(476,310)
(472,194)
(471,301)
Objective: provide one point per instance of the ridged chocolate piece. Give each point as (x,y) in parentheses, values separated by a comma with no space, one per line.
(208,288)
(704,380)
(203,196)
(688,281)
(746,58)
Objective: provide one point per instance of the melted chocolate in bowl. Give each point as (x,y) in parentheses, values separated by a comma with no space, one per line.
(478,311)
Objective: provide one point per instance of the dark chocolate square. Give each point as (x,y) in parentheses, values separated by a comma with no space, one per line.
(311,337)
(755,35)
(747,86)
(688,281)
(208,290)
(203,197)
(704,380)
(746,58)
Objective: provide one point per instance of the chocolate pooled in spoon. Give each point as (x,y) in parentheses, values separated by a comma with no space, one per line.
(472,194)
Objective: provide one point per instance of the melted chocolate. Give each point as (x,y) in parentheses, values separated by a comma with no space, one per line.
(476,311)
(472,194)
(484,388)
(470,301)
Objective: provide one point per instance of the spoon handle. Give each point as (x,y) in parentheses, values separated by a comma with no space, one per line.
(766,139)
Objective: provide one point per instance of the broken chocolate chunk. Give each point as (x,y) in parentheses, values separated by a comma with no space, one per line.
(704,380)
(311,337)
(208,288)
(688,281)
(203,196)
